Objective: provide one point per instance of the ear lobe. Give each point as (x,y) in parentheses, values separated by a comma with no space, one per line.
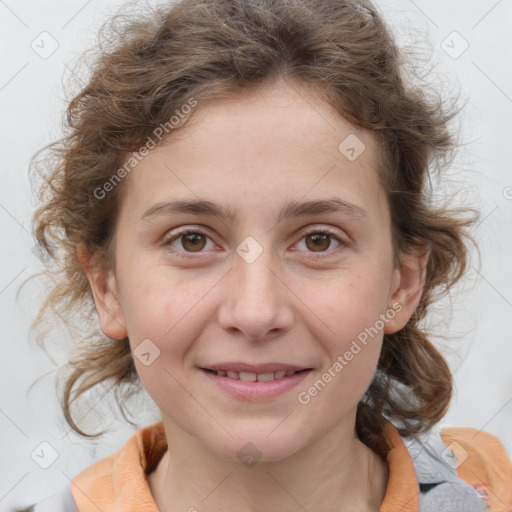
(106,298)
(407,294)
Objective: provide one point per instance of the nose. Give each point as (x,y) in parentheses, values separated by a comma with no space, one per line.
(256,302)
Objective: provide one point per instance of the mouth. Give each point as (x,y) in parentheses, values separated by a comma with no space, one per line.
(255,377)
(255,382)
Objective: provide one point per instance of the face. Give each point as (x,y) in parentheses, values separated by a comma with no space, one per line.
(284,265)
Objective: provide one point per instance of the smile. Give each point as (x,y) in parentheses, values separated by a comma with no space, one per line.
(254,386)
(254,377)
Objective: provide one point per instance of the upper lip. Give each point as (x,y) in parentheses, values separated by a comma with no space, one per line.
(255,368)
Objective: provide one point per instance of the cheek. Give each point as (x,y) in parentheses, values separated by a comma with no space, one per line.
(352,307)
(158,304)
(353,315)
(163,318)
(352,356)
(337,390)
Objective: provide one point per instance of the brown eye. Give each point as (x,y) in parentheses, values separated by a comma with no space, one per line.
(193,242)
(318,241)
(188,241)
(321,243)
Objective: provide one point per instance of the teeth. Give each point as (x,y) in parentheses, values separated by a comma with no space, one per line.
(248,377)
(262,377)
(253,377)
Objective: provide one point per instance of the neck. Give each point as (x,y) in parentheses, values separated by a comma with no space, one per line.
(336,472)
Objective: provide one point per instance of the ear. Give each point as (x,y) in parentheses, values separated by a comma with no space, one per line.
(106,298)
(407,287)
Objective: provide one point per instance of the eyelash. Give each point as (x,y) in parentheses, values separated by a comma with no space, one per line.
(322,231)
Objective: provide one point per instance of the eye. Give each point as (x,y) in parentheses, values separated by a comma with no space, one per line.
(319,240)
(191,240)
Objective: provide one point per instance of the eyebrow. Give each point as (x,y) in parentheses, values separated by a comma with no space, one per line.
(291,209)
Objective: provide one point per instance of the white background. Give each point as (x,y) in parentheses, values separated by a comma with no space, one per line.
(32,102)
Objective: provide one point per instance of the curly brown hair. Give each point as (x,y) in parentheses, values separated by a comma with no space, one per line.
(209,50)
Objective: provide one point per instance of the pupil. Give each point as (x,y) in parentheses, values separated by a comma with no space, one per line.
(194,238)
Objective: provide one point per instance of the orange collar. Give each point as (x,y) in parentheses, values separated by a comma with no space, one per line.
(403,489)
(119,483)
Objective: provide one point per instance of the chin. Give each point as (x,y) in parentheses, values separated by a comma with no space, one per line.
(252,446)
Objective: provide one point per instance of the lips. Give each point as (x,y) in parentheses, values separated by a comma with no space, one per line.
(253,377)
(254,382)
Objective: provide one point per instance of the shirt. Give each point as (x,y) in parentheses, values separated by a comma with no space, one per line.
(468,470)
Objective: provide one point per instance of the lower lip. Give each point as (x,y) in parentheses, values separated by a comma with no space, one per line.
(256,390)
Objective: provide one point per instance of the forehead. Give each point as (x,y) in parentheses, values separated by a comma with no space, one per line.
(282,142)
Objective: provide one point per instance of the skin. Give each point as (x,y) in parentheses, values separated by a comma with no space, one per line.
(253,154)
